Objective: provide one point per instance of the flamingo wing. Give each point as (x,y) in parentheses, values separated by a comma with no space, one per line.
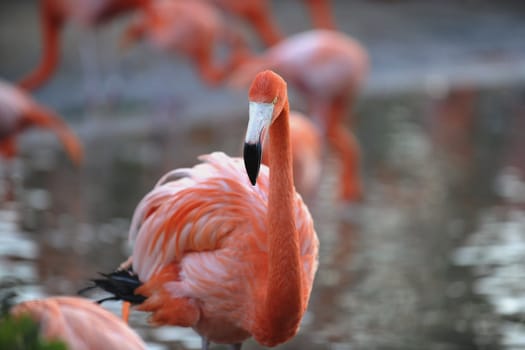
(194,210)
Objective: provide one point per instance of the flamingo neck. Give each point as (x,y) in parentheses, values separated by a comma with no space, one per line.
(281,311)
(51,26)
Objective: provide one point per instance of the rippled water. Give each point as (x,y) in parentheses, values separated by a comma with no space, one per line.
(432,259)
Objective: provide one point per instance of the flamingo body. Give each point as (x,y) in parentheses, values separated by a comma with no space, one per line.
(201,244)
(19,112)
(80,324)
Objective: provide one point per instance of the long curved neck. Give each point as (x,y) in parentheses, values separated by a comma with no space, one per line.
(281,311)
(51,46)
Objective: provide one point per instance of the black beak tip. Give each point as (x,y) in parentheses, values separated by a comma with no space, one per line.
(252,160)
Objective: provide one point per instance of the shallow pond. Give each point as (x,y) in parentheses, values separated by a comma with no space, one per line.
(434,256)
(431,259)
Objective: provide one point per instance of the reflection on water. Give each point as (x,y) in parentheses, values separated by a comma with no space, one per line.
(431,259)
(496,253)
(17,256)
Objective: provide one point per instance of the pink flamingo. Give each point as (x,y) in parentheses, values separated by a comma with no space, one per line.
(80,323)
(189,27)
(230,255)
(328,68)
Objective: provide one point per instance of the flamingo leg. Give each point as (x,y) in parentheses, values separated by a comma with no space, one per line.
(125,311)
(345,145)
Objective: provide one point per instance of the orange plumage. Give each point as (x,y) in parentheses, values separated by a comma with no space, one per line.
(79,323)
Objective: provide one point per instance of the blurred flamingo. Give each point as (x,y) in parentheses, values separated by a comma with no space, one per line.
(53,16)
(18,112)
(258,14)
(306,151)
(328,68)
(79,323)
(230,255)
(190,27)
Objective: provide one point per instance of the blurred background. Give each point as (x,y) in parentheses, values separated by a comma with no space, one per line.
(433,255)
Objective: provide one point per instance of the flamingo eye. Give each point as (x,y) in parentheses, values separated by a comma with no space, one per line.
(275,100)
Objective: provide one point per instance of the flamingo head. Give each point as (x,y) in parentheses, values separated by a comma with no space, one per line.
(268,98)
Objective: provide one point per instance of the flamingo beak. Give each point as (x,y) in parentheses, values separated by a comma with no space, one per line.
(252,160)
(260,118)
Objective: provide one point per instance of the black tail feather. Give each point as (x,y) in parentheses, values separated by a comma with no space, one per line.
(121,284)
